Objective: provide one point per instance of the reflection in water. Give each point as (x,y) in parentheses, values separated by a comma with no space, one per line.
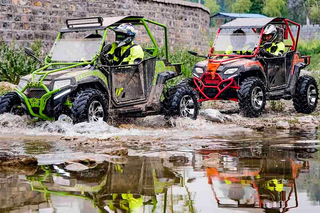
(120,186)
(254,179)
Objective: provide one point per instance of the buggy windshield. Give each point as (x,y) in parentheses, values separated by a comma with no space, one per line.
(75,50)
(240,41)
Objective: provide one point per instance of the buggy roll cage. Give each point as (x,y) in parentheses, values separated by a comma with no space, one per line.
(99,23)
(254,24)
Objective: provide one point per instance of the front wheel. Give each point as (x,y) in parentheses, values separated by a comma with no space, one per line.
(11,103)
(252,97)
(306,97)
(182,101)
(89,106)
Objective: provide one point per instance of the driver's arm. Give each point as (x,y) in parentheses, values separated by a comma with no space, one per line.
(136,56)
(273,51)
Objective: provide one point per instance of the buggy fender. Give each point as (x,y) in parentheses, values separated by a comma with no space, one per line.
(94,81)
(293,78)
(254,70)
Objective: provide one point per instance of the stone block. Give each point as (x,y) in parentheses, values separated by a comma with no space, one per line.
(6,25)
(5,2)
(37,4)
(26,10)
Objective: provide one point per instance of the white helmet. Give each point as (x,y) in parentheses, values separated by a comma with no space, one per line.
(125,33)
(270,29)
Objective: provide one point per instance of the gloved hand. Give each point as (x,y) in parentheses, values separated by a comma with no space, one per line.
(106,59)
(264,52)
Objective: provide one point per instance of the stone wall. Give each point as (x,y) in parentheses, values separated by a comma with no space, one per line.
(308,32)
(28,20)
(16,195)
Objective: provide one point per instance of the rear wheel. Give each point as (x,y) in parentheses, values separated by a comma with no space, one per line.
(89,106)
(252,97)
(306,97)
(11,103)
(181,100)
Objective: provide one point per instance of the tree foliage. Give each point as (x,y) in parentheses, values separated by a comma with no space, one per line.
(275,8)
(212,5)
(241,6)
(313,11)
(15,63)
(257,6)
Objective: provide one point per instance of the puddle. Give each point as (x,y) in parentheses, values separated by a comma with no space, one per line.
(251,179)
(191,166)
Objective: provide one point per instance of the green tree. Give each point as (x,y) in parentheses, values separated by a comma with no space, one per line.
(297,11)
(212,5)
(228,5)
(257,6)
(241,6)
(313,11)
(275,8)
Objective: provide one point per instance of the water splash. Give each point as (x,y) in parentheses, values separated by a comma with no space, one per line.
(155,126)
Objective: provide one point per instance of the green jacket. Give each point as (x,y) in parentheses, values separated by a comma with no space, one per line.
(277,48)
(129,54)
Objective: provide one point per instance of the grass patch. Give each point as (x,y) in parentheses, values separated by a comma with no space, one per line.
(277,106)
(311,48)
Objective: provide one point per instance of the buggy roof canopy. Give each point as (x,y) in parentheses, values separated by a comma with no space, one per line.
(115,21)
(237,15)
(252,22)
(98,23)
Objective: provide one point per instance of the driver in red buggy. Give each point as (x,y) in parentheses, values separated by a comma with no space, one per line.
(271,47)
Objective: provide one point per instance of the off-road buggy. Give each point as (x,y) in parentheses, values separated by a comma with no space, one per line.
(248,77)
(75,81)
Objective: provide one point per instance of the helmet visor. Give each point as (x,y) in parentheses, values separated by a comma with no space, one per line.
(121,36)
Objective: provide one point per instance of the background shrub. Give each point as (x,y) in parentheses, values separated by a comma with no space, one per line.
(14,63)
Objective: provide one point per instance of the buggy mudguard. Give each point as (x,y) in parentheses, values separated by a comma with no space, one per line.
(253,69)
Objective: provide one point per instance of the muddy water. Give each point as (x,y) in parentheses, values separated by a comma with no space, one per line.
(188,167)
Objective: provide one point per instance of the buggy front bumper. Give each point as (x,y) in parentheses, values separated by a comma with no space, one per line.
(216,88)
(36,106)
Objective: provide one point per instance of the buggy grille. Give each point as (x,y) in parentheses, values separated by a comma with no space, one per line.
(35,93)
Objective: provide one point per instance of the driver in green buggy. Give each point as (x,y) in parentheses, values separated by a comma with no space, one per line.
(123,51)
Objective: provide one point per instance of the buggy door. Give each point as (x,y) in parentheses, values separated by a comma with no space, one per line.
(289,65)
(276,72)
(131,84)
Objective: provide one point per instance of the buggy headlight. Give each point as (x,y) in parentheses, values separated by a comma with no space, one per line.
(61,84)
(198,71)
(230,71)
(22,83)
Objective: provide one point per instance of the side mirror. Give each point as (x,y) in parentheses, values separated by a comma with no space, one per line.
(29,52)
(193,53)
